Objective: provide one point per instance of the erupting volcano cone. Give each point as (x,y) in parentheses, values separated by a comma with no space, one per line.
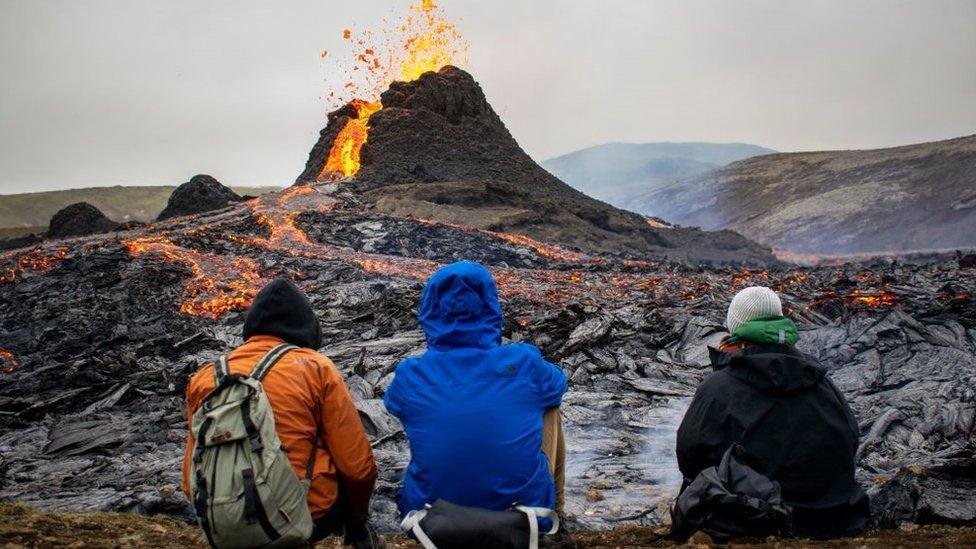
(435,148)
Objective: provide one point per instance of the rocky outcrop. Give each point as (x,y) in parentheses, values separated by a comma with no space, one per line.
(78,220)
(201,194)
(438,135)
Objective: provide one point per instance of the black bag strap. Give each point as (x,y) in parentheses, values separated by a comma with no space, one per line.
(221,370)
(201,509)
(269,360)
(254,508)
(254,437)
(201,441)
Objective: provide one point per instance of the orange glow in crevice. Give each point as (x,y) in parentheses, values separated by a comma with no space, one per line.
(38,260)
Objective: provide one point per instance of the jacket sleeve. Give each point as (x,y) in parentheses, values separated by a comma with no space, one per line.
(343,436)
(701,441)
(391,399)
(194,396)
(550,381)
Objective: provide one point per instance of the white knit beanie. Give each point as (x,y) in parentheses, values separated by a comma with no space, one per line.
(752,303)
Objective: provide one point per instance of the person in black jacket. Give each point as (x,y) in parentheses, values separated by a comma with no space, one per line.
(779,404)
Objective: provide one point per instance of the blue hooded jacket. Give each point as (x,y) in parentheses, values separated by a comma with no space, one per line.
(471,407)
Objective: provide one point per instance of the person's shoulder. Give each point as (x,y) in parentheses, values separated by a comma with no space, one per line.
(529,357)
(301,361)
(407,366)
(715,384)
(524,350)
(311,355)
(202,381)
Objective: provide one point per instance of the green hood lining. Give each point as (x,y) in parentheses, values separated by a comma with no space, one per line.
(770,329)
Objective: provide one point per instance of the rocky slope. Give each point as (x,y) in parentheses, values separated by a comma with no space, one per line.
(837,202)
(617,173)
(438,150)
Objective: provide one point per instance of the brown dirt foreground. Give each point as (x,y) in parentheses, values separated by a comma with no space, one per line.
(21,526)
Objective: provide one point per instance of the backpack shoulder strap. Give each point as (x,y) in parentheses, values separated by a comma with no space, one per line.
(221,370)
(265,364)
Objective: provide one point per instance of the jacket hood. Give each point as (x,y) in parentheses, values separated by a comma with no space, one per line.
(460,308)
(773,369)
(282,310)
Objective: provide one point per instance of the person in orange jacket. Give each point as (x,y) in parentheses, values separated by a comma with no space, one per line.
(309,400)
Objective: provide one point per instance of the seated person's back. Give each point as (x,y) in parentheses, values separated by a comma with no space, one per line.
(782,408)
(471,407)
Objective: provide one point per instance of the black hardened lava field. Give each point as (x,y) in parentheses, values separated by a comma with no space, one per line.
(100,334)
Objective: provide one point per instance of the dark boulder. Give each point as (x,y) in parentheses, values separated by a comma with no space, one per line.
(202,193)
(79,219)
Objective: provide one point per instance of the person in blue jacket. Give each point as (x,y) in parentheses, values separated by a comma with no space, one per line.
(473,408)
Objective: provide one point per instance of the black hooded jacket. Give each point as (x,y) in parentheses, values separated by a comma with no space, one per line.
(282,310)
(795,424)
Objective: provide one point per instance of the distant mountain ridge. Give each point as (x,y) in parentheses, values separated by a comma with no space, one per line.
(122,203)
(619,172)
(899,199)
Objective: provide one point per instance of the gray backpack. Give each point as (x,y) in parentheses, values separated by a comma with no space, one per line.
(243,488)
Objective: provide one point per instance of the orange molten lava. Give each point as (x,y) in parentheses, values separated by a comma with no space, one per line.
(37,260)
(219,284)
(344,157)
(8,362)
(432,42)
(422,42)
(882,298)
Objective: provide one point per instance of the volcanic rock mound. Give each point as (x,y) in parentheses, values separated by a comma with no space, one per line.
(438,150)
(78,220)
(202,193)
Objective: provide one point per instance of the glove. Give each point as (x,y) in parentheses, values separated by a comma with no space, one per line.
(360,535)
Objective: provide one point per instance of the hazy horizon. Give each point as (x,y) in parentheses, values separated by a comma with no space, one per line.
(106,93)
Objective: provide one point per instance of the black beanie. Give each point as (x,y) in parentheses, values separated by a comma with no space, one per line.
(282,310)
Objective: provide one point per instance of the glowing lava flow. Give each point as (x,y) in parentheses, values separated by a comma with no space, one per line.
(882,298)
(219,284)
(425,42)
(37,260)
(344,157)
(222,283)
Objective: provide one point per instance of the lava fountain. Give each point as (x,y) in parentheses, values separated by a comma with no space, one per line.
(424,41)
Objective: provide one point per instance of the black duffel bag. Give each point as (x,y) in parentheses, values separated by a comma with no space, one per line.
(445,525)
(730,501)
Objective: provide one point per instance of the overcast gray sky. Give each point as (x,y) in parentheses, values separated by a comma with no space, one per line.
(101,92)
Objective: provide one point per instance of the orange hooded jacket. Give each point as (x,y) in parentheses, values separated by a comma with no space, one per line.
(309,399)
